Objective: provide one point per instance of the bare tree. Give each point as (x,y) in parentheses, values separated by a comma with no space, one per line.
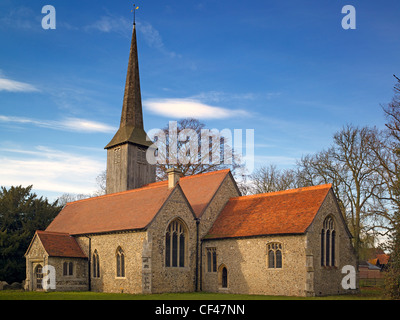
(194,149)
(270,179)
(351,167)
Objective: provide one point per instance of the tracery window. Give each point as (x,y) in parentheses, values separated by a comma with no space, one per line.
(328,242)
(274,253)
(175,244)
(120,257)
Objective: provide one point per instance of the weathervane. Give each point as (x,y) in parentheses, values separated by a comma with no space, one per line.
(134,13)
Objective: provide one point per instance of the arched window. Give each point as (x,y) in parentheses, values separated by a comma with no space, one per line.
(328,242)
(175,244)
(96,264)
(120,256)
(274,252)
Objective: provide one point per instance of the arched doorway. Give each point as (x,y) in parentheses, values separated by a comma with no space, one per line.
(223,276)
(38,277)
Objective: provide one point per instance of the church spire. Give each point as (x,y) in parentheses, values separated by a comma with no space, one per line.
(127,165)
(132,106)
(131,128)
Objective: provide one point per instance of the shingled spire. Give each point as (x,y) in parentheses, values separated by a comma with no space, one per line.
(132,106)
(131,126)
(127,166)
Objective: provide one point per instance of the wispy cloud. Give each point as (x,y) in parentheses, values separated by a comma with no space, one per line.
(67,124)
(22,18)
(153,38)
(16,86)
(185,108)
(111,24)
(49,170)
(123,26)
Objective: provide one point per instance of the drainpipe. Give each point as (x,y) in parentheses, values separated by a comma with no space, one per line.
(197,255)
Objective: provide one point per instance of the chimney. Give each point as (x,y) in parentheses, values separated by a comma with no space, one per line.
(173,177)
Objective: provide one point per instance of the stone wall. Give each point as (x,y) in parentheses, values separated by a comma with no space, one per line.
(327,279)
(78,281)
(173,279)
(226,191)
(246,261)
(107,245)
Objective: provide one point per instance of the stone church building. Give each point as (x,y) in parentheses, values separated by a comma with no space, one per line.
(194,233)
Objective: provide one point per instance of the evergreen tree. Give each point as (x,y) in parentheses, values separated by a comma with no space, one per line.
(392,276)
(21,214)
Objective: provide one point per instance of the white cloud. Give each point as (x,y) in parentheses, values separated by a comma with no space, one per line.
(67,124)
(50,170)
(190,108)
(123,26)
(16,86)
(111,23)
(153,38)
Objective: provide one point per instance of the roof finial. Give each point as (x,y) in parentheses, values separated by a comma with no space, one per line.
(134,13)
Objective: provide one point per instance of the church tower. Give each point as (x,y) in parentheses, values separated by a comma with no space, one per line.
(127,167)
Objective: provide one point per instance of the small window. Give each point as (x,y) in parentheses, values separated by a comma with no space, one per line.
(117,155)
(141,155)
(274,253)
(211,260)
(68,268)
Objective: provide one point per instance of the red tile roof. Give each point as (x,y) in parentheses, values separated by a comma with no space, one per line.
(382,258)
(60,245)
(133,209)
(199,189)
(284,212)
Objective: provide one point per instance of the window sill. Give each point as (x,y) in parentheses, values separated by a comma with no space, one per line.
(177,268)
(329,267)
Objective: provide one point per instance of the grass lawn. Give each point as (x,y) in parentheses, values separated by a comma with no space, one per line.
(366,294)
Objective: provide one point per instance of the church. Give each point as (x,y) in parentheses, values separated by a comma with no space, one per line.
(187,234)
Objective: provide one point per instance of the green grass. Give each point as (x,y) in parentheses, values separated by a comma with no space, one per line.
(366,294)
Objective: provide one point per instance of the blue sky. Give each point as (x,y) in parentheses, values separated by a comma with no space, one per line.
(286,69)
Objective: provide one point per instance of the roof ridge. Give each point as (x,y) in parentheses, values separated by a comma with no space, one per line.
(205,173)
(52,232)
(148,186)
(189,177)
(289,191)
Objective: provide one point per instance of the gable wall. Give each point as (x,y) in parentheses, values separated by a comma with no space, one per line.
(35,256)
(172,279)
(226,191)
(327,280)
